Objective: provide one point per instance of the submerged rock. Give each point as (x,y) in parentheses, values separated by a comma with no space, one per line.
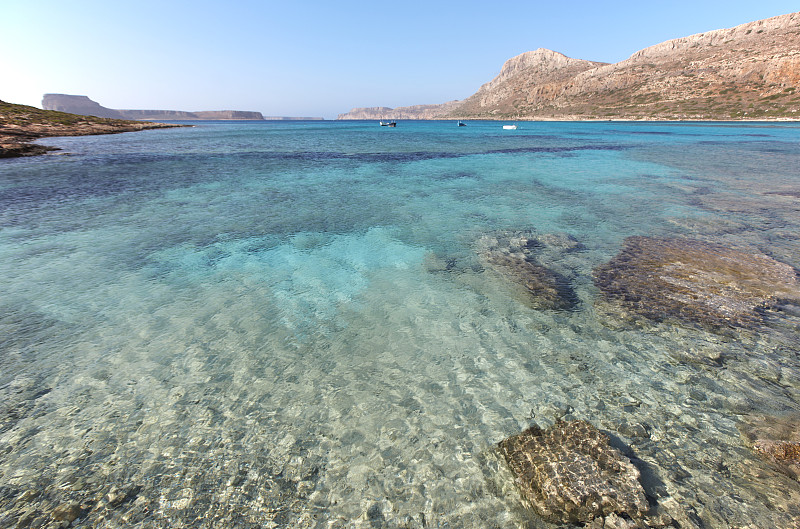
(544,288)
(782,452)
(67,512)
(777,439)
(570,474)
(514,255)
(695,282)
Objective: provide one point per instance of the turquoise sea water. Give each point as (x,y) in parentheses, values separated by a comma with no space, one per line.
(289,324)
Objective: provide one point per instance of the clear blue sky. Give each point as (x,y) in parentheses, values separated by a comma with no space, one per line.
(318,58)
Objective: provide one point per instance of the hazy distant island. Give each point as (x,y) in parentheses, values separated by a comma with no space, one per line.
(289,118)
(751,71)
(21,124)
(84,106)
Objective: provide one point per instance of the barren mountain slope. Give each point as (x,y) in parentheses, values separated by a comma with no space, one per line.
(749,71)
(527,79)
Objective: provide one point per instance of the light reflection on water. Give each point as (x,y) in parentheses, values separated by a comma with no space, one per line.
(289,323)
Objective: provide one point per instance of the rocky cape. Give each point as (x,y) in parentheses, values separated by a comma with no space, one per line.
(21,124)
(751,71)
(84,106)
(412,112)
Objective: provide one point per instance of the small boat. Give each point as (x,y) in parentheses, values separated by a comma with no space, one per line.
(462,124)
(388,123)
(510,127)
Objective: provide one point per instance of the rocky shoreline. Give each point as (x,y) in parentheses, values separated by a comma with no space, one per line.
(20,125)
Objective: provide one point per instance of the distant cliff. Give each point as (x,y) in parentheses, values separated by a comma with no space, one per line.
(181,115)
(751,71)
(80,105)
(412,112)
(84,106)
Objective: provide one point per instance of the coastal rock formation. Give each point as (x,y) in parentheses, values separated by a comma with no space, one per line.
(695,282)
(513,255)
(412,112)
(777,439)
(84,106)
(21,124)
(570,474)
(751,71)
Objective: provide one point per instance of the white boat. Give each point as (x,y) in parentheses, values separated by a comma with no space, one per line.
(510,127)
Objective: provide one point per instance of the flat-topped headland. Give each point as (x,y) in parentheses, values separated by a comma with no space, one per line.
(84,106)
(21,124)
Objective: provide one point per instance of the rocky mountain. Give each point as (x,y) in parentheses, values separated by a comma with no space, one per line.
(751,71)
(537,74)
(84,106)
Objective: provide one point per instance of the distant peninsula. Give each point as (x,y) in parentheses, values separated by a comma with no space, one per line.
(21,124)
(84,106)
(288,118)
(411,112)
(751,71)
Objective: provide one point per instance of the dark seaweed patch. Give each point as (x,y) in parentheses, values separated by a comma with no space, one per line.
(792,193)
(610,147)
(459,175)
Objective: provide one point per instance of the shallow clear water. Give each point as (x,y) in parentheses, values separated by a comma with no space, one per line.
(288,324)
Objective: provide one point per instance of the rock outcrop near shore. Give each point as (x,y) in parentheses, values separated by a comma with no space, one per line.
(84,106)
(751,71)
(21,124)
